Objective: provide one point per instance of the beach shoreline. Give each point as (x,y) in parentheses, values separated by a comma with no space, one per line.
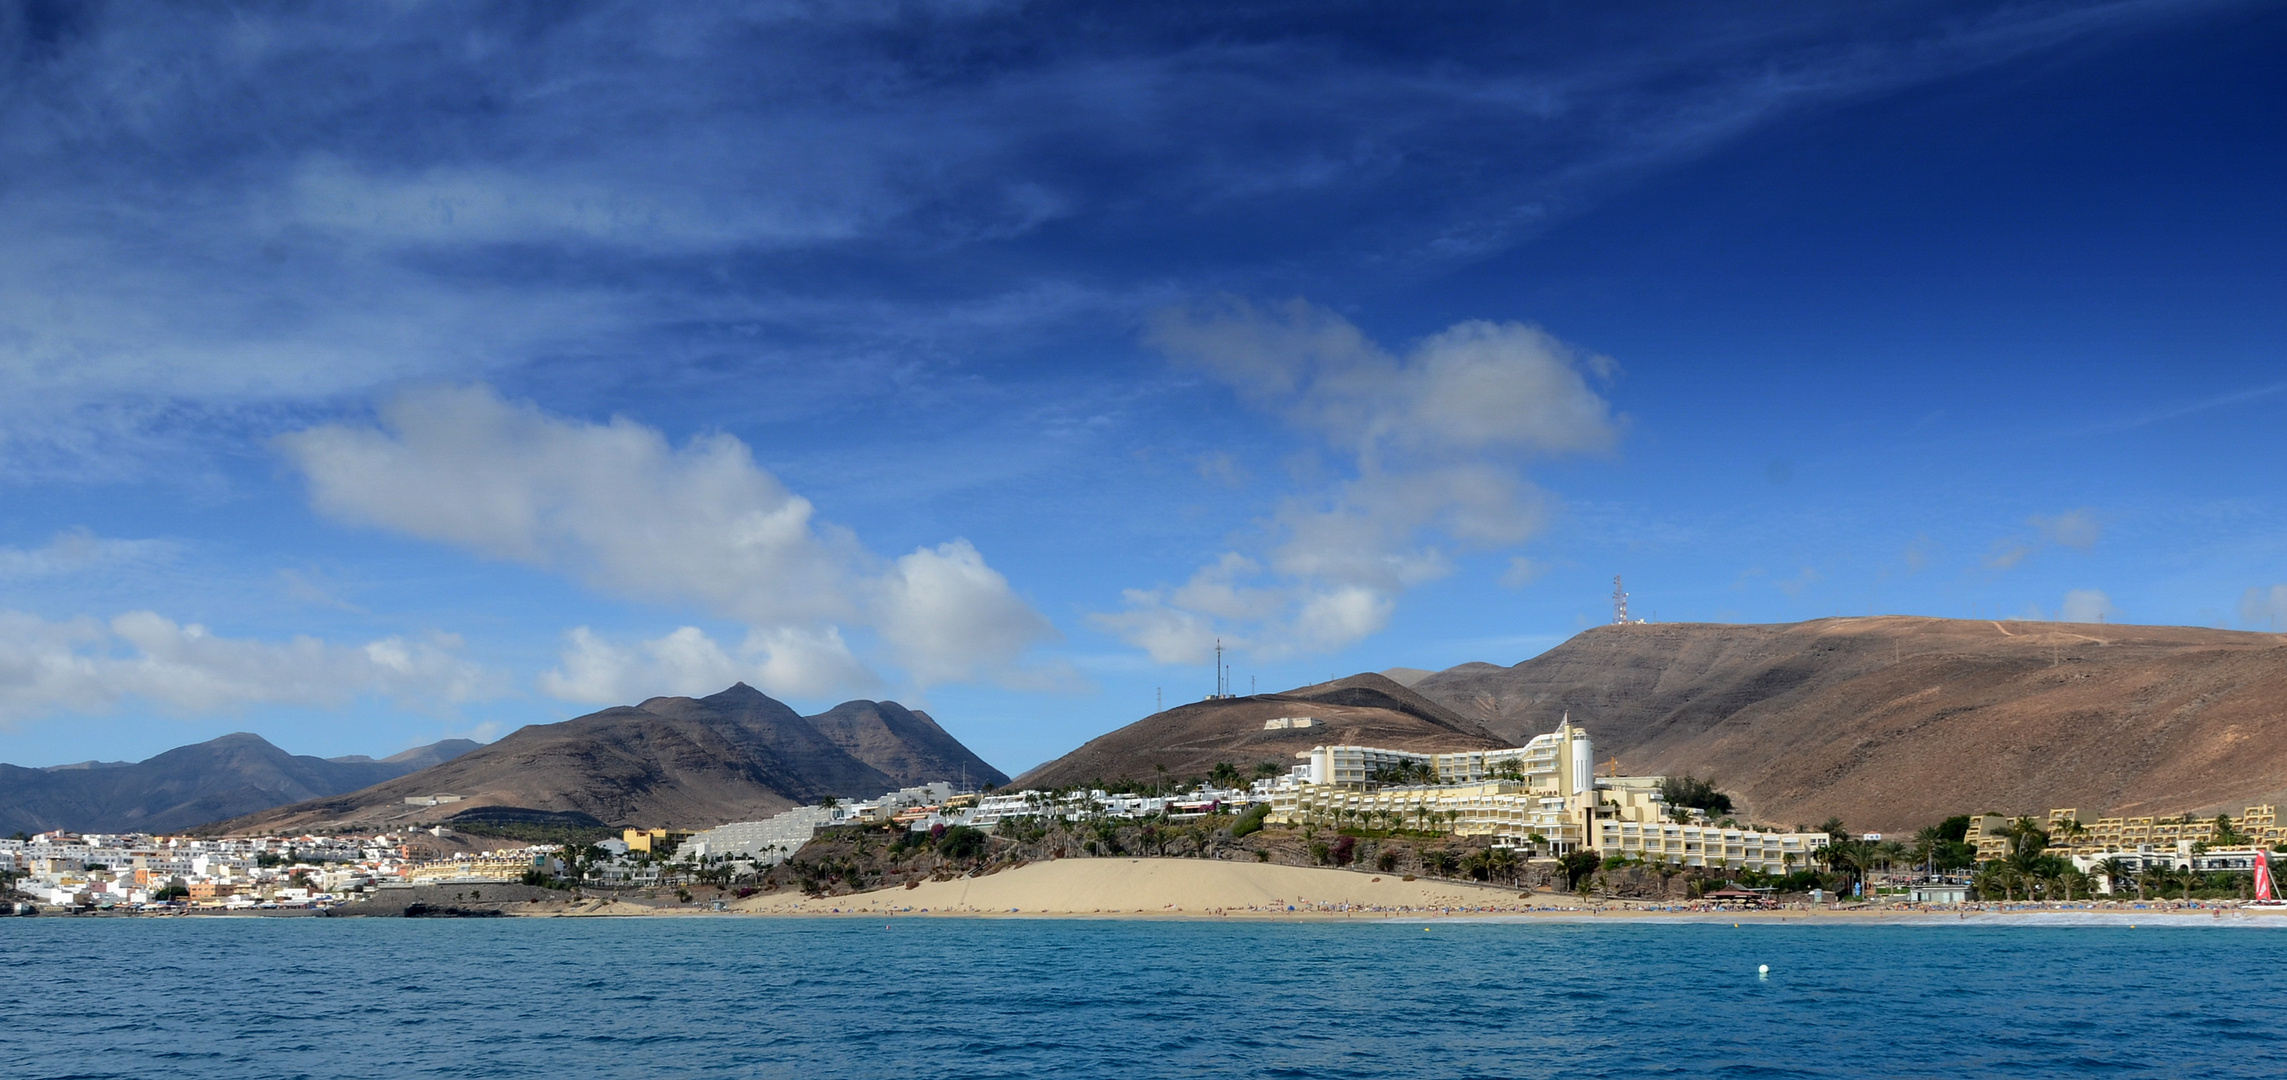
(1208,890)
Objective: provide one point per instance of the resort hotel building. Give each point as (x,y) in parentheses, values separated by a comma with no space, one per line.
(1544,795)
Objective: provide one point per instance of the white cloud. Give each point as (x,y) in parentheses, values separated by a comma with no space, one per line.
(74,550)
(807,663)
(685,662)
(690,663)
(1522,572)
(2077,529)
(624,511)
(2265,607)
(83,665)
(2086,606)
(495,204)
(1801,582)
(1438,437)
(947,616)
(1170,635)
(1477,385)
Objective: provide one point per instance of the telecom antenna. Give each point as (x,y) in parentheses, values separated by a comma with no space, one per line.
(1619,602)
(1219,668)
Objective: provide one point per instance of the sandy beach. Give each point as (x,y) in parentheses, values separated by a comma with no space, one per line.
(1206,889)
(1166,887)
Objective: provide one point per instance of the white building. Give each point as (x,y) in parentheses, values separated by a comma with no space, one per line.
(770,841)
(766,842)
(1543,795)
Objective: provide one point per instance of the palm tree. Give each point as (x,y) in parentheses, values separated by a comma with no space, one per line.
(2115,872)
(1846,859)
(1997,876)
(1479,864)
(2029,864)
(2026,834)
(1500,862)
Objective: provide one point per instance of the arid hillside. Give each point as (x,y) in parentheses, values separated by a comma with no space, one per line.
(1189,740)
(672,761)
(1894,722)
(235,774)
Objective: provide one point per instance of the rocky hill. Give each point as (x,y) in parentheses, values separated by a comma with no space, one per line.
(1895,722)
(671,761)
(225,777)
(1189,740)
(420,757)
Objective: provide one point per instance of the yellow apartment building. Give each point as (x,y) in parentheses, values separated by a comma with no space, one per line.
(2070,835)
(497,866)
(663,841)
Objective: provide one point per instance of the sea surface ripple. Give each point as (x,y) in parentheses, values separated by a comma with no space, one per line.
(824,999)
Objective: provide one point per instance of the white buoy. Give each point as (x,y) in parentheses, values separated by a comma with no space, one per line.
(1763,971)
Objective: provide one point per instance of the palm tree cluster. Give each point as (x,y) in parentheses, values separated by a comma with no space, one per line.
(2028,869)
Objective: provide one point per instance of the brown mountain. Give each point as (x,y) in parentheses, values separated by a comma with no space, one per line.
(903,742)
(235,774)
(419,757)
(671,761)
(1189,740)
(1895,722)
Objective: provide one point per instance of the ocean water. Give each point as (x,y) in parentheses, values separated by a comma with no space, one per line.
(917,998)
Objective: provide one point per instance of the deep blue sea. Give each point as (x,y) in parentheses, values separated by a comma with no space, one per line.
(822,999)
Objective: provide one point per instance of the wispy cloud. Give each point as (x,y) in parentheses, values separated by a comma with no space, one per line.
(75,550)
(464,190)
(2264,607)
(2221,401)
(2077,529)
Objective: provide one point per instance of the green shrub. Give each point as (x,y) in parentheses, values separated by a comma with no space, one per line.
(1251,821)
(961,842)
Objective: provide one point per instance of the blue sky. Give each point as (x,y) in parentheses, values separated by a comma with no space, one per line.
(380,374)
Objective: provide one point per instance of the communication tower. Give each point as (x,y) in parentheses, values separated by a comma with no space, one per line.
(1619,602)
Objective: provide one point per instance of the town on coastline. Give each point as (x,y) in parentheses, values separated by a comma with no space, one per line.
(1537,815)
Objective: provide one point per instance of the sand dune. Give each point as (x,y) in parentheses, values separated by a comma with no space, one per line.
(1189,887)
